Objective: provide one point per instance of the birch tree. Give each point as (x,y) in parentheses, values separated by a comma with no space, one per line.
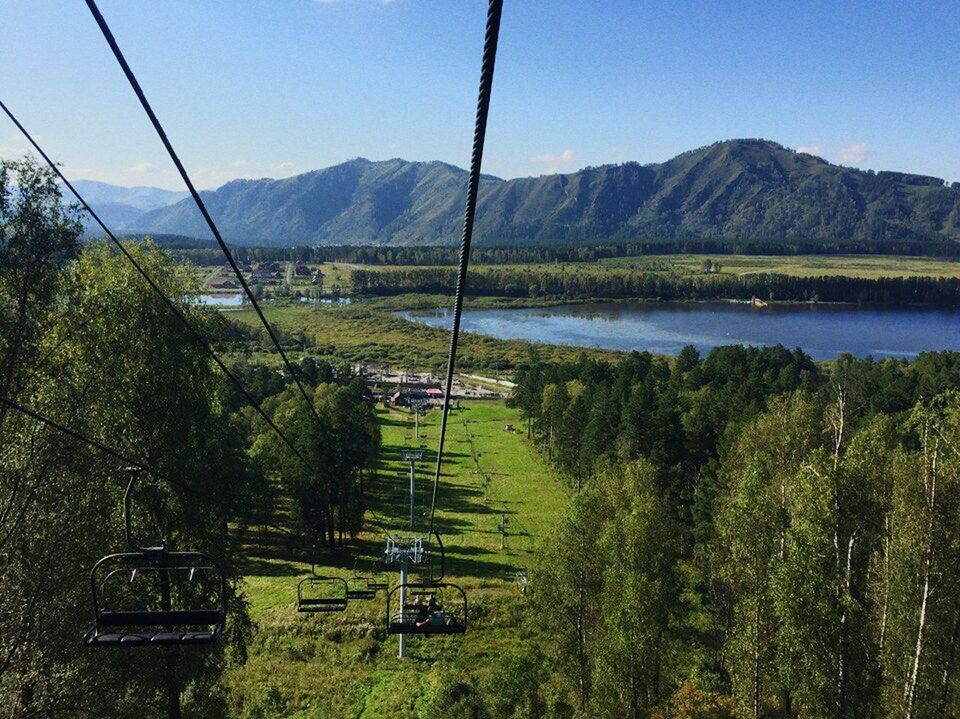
(924,567)
(751,544)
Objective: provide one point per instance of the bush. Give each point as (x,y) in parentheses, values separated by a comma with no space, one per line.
(691,703)
(270,705)
(458,700)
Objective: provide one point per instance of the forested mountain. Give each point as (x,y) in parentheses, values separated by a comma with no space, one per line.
(737,190)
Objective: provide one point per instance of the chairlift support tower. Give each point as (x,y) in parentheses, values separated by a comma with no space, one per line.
(412,456)
(417,406)
(403,551)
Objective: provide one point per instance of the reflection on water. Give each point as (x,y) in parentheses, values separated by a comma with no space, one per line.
(221,300)
(823,331)
(236,300)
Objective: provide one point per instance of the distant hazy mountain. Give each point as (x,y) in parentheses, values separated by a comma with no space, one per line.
(121,207)
(738,189)
(140,198)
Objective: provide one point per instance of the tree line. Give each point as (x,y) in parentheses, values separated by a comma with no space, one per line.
(751,535)
(626,283)
(433,255)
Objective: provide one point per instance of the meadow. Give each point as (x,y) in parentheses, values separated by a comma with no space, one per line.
(345,665)
(859,266)
(855,266)
(369,332)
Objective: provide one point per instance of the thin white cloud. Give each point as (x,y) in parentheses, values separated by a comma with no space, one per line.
(551,163)
(15,147)
(815,150)
(853,154)
(142,168)
(337,2)
(283,169)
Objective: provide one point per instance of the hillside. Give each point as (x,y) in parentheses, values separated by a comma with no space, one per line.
(738,189)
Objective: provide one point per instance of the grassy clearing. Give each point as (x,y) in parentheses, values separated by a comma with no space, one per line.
(370,332)
(520,488)
(862,266)
(345,665)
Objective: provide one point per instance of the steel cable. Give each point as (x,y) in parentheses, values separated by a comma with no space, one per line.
(491,38)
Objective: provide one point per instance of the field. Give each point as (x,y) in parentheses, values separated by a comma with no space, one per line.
(863,266)
(369,332)
(345,665)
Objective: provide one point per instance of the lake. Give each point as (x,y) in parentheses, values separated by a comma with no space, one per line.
(822,331)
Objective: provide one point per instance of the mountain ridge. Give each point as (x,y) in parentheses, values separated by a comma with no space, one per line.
(735,189)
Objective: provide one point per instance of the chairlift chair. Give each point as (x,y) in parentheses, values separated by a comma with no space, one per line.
(450,616)
(358,587)
(375,580)
(413,616)
(362,586)
(153,597)
(321,594)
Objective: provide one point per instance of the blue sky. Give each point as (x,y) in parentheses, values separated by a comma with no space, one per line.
(273,88)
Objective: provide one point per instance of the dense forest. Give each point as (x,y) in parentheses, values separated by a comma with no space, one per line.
(752,535)
(87,344)
(625,283)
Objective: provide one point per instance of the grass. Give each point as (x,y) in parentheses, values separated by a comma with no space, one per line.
(520,488)
(862,266)
(369,332)
(345,665)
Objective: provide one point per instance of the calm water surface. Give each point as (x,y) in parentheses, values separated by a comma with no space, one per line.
(236,300)
(221,300)
(823,331)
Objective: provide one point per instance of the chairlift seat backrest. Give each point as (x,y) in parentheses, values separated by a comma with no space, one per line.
(321,604)
(155,597)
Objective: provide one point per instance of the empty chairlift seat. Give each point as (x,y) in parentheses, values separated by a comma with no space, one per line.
(427,609)
(317,594)
(155,597)
(149,596)
(377,584)
(376,580)
(362,586)
(359,589)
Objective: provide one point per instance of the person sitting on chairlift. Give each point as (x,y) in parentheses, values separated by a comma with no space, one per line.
(435,611)
(423,613)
